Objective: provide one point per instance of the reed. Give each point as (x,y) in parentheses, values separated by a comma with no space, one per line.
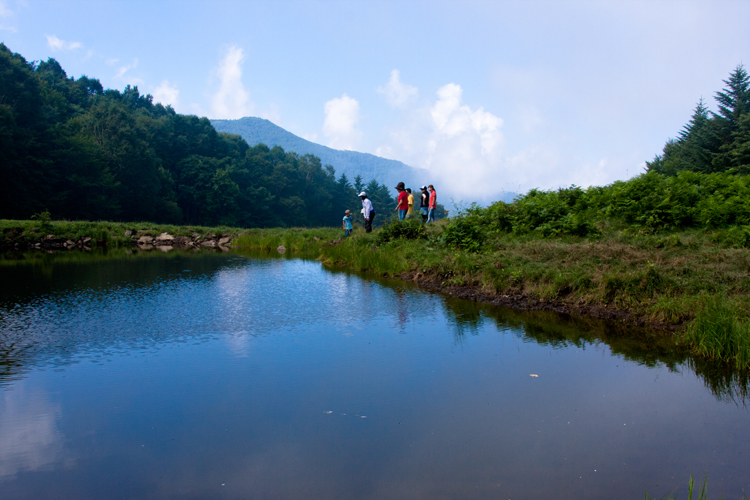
(718,332)
(702,492)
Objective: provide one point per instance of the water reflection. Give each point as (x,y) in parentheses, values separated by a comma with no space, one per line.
(223,375)
(30,439)
(77,305)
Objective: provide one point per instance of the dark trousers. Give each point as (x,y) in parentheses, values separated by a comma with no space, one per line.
(368,223)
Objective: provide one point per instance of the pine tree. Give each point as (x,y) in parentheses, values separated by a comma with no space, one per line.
(731,129)
(359,184)
(734,100)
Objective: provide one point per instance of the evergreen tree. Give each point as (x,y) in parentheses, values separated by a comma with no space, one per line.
(713,142)
(359,184)
(734,104)
(734,100)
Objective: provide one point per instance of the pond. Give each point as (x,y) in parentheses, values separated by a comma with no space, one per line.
(229,375)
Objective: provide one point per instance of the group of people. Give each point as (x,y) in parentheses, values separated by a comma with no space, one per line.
(405,207)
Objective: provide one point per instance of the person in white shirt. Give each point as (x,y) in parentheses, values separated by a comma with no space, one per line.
(367,211)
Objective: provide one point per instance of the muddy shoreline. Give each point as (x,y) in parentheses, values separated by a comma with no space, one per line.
(523,302)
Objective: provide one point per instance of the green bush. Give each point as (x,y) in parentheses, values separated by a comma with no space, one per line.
(465,232)
(408,229)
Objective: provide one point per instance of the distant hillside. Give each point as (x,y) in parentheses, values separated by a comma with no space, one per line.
(389,172)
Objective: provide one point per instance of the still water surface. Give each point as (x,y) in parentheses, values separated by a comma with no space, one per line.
(232,376)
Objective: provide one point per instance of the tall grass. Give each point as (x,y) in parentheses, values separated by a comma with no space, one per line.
(718,332)
(304,241)
(702,493)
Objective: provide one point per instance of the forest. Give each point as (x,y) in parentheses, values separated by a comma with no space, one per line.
(71,148)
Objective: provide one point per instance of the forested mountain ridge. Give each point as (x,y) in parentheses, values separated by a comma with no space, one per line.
(70,147)
(258,130)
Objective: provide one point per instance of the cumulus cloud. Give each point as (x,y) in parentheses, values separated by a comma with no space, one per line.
(460,147)
(231,101)
(166,93)
(397,93)
(341,123)
(58,44)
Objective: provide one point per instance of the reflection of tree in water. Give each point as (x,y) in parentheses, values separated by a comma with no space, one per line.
(724,382)
(639,345)
(51,277)
(464,316)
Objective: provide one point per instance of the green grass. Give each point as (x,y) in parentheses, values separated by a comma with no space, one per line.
(701,491)
(299,240)
(721,330)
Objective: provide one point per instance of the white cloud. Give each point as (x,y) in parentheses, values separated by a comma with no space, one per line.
(58,44)
(231,100)
(340,125)
(458,145)
(167,94)
(122,73)
(397,93)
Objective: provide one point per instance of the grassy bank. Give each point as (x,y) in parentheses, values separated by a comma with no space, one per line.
(686,278)
(24,234)
(695,282)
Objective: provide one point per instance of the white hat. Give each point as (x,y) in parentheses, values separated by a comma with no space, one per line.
(362,194)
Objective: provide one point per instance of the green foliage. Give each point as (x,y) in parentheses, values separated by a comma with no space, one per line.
(719,332)
(466,232)
(712,142)
(43,218)
(651,201)
(408,229)
(82,152)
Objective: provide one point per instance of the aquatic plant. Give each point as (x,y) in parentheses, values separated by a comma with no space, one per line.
(718,332)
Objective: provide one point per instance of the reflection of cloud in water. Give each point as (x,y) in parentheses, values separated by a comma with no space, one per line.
(29,436)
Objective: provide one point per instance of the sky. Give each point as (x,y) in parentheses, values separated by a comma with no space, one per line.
(488,97)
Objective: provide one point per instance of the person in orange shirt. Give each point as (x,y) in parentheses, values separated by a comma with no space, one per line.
(410,212)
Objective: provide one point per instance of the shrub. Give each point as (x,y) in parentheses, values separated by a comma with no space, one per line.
(408,229)
(465,232)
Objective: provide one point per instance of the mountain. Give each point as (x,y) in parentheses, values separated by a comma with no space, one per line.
(352,163)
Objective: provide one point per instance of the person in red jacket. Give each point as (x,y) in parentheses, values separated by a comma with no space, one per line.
(433,204)
(403,201)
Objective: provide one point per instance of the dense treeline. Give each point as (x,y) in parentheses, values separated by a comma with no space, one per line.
(70,147)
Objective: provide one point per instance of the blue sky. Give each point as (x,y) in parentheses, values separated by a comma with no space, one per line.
(486,96)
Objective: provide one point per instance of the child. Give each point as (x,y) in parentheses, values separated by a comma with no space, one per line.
(347,223)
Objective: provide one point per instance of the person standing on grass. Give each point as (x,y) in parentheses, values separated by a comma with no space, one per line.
(347,223)
(424,203)
(433,203)
(367,211)
(410,212)
(403,201)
